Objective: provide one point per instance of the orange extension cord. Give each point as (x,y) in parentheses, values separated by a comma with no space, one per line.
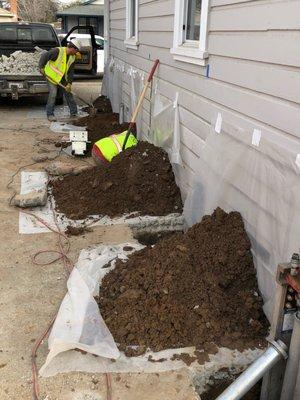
(64,249)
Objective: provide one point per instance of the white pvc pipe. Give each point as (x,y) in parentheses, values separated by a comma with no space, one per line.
(275,352)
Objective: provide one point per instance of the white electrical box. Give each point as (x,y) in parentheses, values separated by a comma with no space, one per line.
(79,141)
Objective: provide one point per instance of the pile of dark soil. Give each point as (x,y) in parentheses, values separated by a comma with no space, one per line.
(76,231)
(151,238)
(138,179)
(104,123)
(101,125)
(188,290)
(101,104)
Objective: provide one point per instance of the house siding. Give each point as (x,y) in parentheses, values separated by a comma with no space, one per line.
(250,82)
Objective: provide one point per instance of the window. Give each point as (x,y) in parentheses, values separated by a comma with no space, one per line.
(24,35)
(8,34)
(85,21)
(100,42)
(44,35)
(190,30)
(131,39)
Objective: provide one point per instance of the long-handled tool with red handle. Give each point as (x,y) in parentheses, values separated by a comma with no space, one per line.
(140,102)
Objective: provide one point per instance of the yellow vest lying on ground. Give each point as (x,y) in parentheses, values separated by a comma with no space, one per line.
(107,148)
(55,70)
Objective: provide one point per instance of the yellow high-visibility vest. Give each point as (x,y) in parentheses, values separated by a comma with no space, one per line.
(55,70)
(107,148)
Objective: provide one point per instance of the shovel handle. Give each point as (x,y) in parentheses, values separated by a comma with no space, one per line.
(153,70)
(143,93)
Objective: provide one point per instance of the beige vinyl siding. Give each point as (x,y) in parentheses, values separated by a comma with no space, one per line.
(250,82)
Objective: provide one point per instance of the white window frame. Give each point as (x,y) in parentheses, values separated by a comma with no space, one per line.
(191,51)
(132,41)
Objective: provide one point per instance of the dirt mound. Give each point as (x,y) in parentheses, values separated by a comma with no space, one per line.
(189,289)
(102,105)
(104,123)
(138,179)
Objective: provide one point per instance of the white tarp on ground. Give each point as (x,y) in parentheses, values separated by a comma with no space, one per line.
(28,224)
(60,112)
(79,325)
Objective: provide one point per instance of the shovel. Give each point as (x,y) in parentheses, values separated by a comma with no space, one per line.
(140,102)
(93,110)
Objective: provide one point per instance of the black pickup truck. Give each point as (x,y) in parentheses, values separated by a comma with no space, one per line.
(16,36)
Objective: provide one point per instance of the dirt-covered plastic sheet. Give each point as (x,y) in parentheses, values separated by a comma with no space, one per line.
(79,325)
(38,180)
(259,177)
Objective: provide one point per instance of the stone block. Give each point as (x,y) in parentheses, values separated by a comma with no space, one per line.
(58,168)
(33,199)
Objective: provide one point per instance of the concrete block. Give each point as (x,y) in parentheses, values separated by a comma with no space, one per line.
(82,168)
(58,168)
(40,158)
(44,156)
(33,199)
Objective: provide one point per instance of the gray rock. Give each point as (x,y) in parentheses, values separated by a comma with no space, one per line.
(59,168)
(33,199)
(52,156)
(40,158)
(80,169)
(20,62)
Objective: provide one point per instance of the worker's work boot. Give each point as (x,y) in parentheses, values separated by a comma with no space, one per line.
(51,118)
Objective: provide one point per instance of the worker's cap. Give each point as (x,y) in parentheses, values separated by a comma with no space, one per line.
(75,43)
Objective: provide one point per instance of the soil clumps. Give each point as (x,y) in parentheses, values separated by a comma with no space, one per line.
(102,124)
(190,289)
(138,179)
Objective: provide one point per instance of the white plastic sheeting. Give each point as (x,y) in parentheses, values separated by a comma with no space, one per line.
(259,178)
(112,83)
(38,180)
(79,325)
(165,127)
(123,85)
(136,87)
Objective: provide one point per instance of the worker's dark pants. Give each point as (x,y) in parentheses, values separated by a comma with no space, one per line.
(52,97)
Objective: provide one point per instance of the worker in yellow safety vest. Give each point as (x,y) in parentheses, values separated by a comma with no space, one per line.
(57,65)
(104,150)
